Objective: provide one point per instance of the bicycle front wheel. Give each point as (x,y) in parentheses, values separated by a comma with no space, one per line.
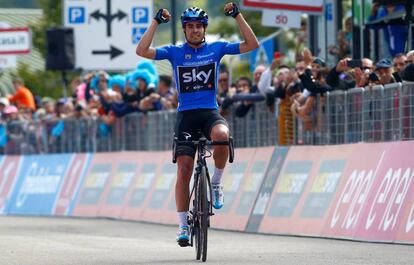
(202,211)
(205,211)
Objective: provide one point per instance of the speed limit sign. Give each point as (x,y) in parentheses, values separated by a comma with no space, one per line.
(280,18)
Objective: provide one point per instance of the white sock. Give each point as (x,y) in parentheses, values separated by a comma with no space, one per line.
(182,219)
(217,176)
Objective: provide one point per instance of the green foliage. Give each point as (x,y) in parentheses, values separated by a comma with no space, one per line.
(52,16)
(42,83)
(227,26)
(242,69)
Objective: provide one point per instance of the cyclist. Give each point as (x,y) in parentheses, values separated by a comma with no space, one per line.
(195,65)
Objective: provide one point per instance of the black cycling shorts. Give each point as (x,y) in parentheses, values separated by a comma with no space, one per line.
(191,123)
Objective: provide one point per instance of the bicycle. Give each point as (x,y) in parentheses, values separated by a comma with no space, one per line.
(202,209)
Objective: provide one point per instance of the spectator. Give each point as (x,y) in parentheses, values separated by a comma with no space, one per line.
(410,57)
(4,102)
(243,86)
(313,79)
(48,104)
(223,84)
(257,73)
(23,98)
(279,89)
(166,92)
(80,111)
(408,72)
(130,98)
(384,71)
(84,91)
(316,65)
(15,130)
(76,82)
(117,86)
(147,96)
(150,67)
(399,64)
(64,108)
(337,80)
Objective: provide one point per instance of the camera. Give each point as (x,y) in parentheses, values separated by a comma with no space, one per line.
(373,77)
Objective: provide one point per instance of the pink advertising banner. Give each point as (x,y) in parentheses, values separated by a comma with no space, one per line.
(362,176)
(241,181)
(9,169)
(126,172)
(142,186)
(95,183)
(161,194)
(390,200)
(324,179)
(304,190)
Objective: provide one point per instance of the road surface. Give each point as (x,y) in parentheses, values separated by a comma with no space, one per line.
(53,240)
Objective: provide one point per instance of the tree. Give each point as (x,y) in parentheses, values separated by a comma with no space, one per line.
(42,82)
(52,16)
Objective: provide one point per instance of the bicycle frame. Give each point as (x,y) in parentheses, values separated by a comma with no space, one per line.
(198,218)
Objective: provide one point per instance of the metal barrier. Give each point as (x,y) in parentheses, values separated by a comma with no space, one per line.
(370,114)
(138,131)
(360,114)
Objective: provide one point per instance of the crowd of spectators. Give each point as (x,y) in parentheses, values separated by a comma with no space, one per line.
(95,94)
(294,89)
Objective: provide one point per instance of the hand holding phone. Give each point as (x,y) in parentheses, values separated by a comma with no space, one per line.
(354,63)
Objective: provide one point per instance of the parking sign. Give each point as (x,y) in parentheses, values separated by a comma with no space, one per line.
(76,15)
(140,15)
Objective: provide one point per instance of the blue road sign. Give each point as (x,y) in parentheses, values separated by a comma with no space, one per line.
(76,15)
(137,34)
(140,15)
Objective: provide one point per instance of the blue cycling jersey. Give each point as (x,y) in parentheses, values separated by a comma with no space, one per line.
(196,71)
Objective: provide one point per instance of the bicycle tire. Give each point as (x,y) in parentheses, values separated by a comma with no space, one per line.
(197,208)
(205,212)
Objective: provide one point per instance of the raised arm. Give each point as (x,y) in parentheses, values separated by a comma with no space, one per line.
(144,48)
(250,41)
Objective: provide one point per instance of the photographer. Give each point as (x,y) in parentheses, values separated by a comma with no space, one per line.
(337,80)
(282,88)
(314,80)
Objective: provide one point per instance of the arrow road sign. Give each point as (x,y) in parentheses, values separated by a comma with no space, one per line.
(108,17)
(106,32)
(114,52)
